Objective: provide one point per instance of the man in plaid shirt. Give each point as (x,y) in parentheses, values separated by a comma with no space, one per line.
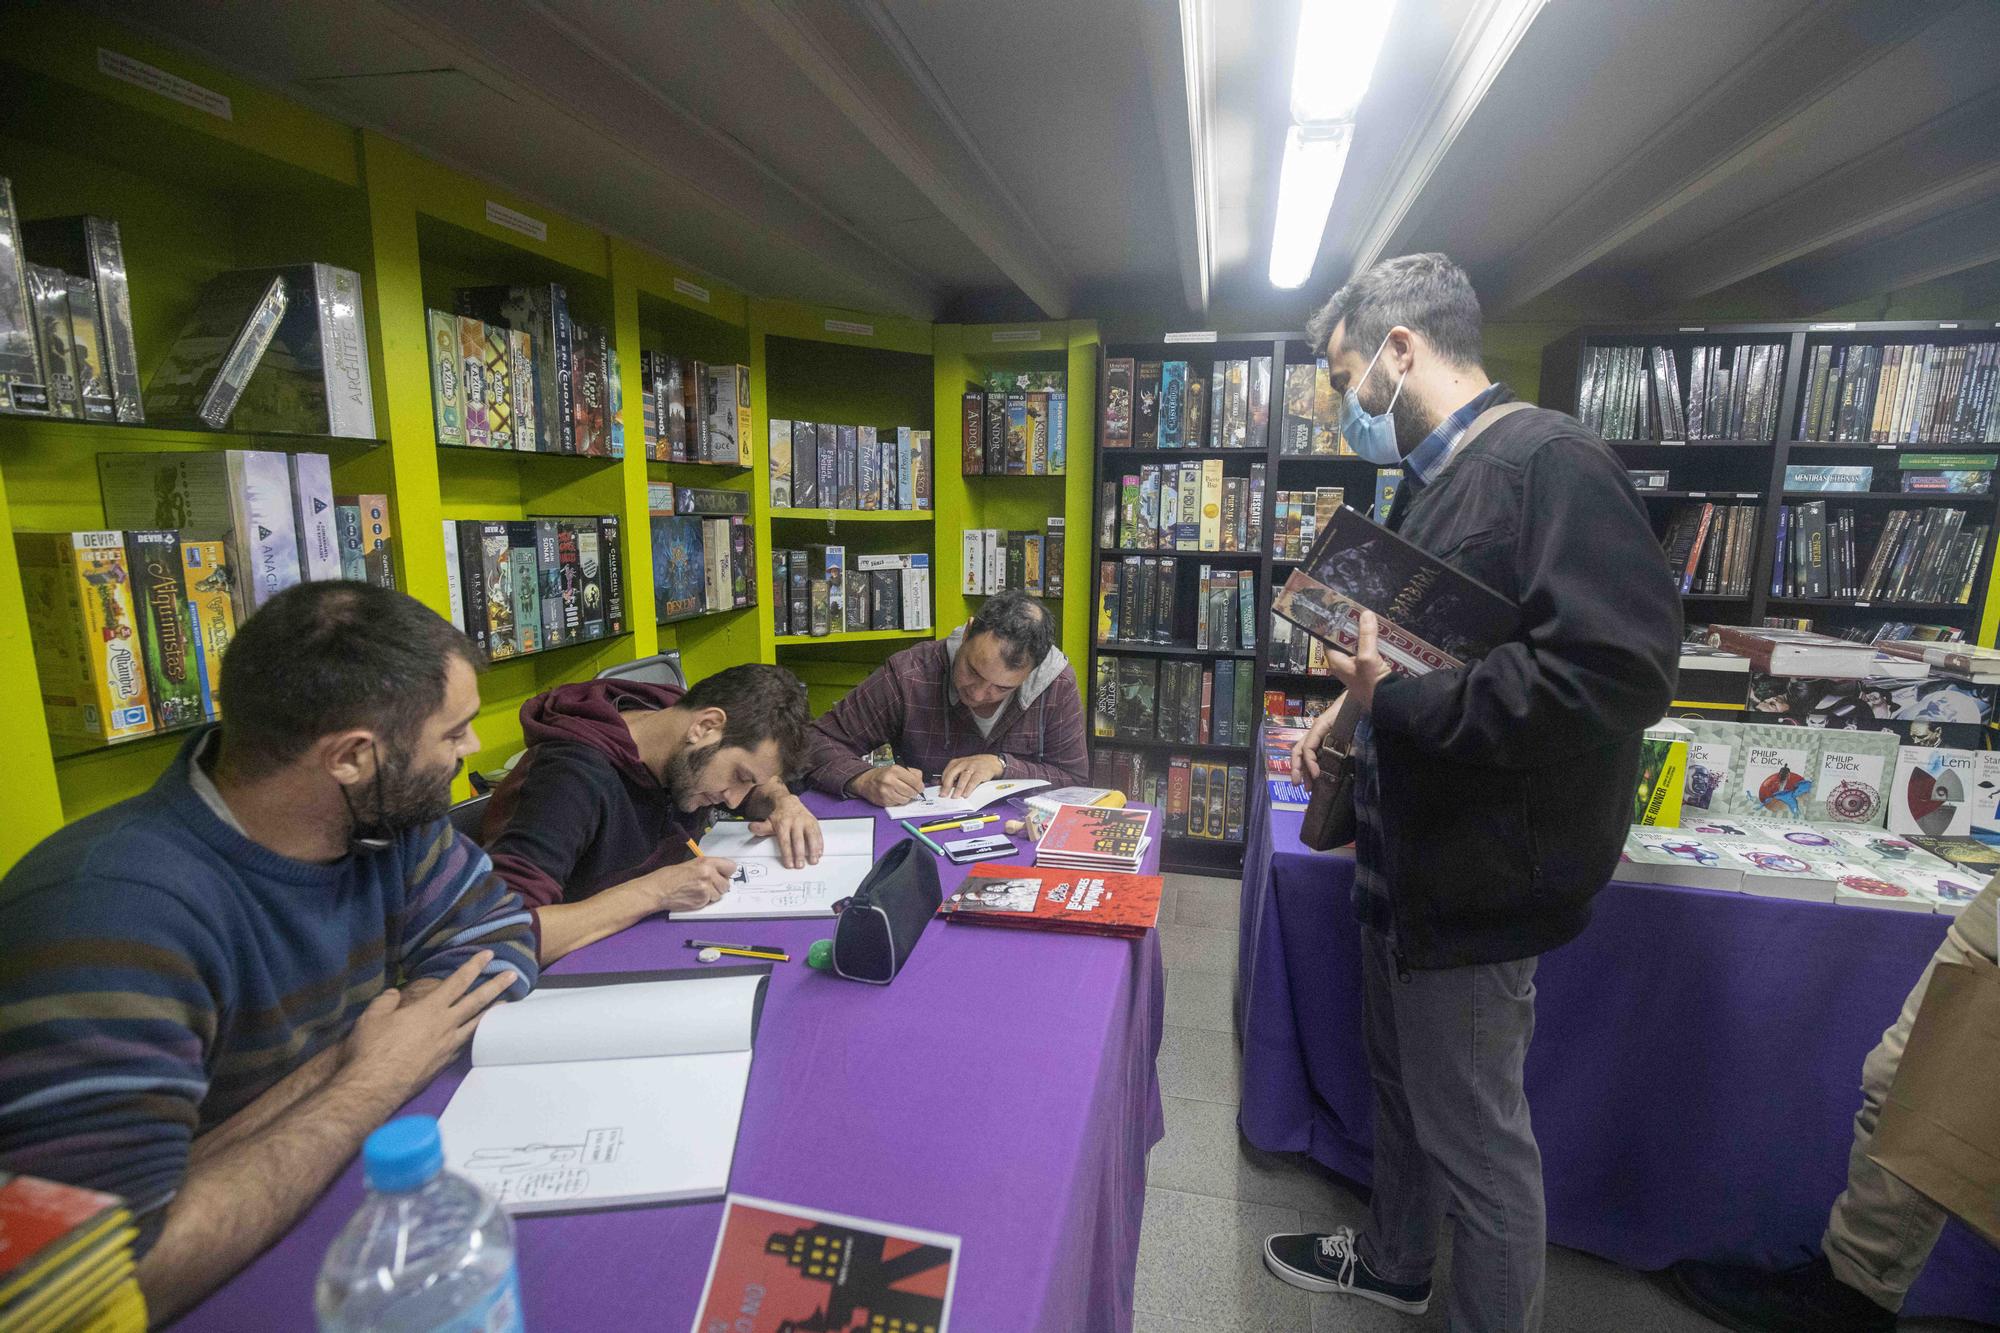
(996,699)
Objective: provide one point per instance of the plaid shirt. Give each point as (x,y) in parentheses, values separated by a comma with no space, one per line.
(906,703)
(1423,465)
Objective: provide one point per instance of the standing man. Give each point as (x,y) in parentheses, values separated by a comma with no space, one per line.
(995,700)
(1491,799)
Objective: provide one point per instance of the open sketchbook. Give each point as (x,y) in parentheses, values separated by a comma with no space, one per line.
(607,1089)
(933,806)
(765,888)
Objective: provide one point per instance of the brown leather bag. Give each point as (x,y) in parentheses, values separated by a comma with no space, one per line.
(1329,819)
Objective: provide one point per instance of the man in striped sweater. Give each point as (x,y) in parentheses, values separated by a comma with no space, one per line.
(213,991)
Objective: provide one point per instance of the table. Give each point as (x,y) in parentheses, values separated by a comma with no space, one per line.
(1002,1090)
(1694,1074)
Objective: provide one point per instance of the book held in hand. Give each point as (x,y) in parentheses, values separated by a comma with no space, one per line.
(1080,902)
(778,1268)
(602,1090)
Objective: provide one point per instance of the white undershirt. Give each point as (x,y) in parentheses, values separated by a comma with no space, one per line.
(204,786)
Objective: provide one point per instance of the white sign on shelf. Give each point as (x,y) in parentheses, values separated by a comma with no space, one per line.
(691,290)
(117,65)
(514,220)
(1017,335)
(1191,336)
(850,326)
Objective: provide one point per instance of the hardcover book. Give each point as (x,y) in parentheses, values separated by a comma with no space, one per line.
(1120,374)
(1082,902)
(1093,837)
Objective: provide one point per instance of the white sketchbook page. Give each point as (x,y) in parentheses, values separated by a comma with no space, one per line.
(550,1137)
(628,1021)
(764,888)
(933,806)
(839,837)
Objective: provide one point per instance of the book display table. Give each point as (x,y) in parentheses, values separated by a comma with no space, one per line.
(1002,1090)
(1693,1078)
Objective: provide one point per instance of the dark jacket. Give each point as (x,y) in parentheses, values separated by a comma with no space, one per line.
(1506,785)
(907,703)
(580,812)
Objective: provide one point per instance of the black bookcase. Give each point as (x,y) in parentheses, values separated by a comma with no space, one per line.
(1752,471)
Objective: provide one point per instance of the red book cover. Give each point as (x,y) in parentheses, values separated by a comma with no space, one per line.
(42,1219)
(1207,699)
(1095,835)
(778,1267)
(1083,902)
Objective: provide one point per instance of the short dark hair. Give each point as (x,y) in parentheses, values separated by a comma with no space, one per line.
(323,657)
(1022,625)
(1427,293)
(759,702)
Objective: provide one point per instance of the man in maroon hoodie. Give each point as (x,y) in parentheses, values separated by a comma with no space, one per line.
(592,826)
(995,699)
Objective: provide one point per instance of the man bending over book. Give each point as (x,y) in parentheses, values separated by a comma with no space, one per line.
(592,826)
(215,990)
(997,699)
(1491,799)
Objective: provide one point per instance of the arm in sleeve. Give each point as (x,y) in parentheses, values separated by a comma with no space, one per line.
(870,715)
(1600,641)
(107,1011)
(1063,760)
(555,815)
(454,906)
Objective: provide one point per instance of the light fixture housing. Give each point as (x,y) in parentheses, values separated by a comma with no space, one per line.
(1334,57)
(1306,185)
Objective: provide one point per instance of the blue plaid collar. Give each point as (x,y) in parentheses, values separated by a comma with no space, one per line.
(1427,460)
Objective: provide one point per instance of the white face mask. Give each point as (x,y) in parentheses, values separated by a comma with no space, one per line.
(1371,437)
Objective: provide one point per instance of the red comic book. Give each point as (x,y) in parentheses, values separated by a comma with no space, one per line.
(779,1267)
(1082,902)
(1096,838)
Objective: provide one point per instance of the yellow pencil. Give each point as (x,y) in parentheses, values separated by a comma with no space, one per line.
(972,822)
(753,953)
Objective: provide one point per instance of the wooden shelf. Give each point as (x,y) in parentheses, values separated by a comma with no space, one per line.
(1112,455)
(471,451)
(731,468)
(1906,446)
(698,615)
(854,515)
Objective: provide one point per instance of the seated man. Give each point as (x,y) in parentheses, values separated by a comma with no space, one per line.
(216,989)
(996,699)
(592,826)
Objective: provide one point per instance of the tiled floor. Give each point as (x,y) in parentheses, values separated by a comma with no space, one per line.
(1211,1199)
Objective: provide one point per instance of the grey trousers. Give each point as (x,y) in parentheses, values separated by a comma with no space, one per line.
(1445,1050)
(1880,1232)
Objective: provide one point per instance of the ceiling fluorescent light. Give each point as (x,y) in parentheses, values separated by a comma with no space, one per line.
(1306,185)
(1334,57)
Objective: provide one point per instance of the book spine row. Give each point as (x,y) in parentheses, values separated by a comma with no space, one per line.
(1015,434)
(1199,798)
(1184,405)
(830,590)
(1184,507)
(818,465)
(1709,548)
(999,559)
(1902,393)
(1180,702)
(1635,392)
(527,585)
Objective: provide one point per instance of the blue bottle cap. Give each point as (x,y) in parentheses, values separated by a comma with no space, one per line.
(403,1155)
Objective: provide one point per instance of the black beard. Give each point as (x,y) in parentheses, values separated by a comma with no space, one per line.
(1411,418)
(683,776)
(405,796)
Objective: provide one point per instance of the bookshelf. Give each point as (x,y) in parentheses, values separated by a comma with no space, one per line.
(1752,471)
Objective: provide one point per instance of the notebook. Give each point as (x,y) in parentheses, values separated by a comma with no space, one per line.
(932,805)
(610,1089)
(766,889)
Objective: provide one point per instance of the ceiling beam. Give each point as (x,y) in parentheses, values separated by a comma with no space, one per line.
(860,60)
(569,77)
(1178,40)
(1938,248)
(1484,43)
(1768,96)
(1936,168)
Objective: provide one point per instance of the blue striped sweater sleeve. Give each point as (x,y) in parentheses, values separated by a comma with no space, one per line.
(455,905)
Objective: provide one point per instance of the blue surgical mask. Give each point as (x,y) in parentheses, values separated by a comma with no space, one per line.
(1371,437)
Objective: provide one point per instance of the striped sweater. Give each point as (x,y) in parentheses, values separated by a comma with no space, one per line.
(160,970)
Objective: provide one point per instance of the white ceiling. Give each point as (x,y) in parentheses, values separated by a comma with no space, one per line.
(1040,158)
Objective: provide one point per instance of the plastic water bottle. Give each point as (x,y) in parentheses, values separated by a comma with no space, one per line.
(429,1252)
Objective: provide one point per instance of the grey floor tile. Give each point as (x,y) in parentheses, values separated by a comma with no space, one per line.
(1198,948)
(1203,1154)
(1169,891)
(1585,1294)
(1163,1323)
(1200,1262)
(1203,1065)
(1216,903)
(1201,999)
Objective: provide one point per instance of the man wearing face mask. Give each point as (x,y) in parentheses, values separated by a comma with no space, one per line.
(996,699)
(1492,799)
(215,990)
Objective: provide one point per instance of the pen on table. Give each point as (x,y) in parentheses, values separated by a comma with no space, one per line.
(912,828)
(739,951)
(723,944)
(970,821)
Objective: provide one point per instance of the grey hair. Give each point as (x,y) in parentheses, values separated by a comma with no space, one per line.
(1427,294)
(1022,625)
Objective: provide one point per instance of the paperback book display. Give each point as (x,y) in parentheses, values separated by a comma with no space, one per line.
(1924,556)
(1173,700)
(1070,901)
(817,465)
(824,590)
(1222,404)
(527,585)
(66,347)
(1710,547)
(1947,474)
(694,412)
(1096,838)
(1901,393)
(997,559)
(1183,507)
(1635,392)
(1021,432)
(704,551)
(1139,602)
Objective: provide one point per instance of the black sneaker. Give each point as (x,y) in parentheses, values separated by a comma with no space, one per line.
(1806,1299)
(1330,1262)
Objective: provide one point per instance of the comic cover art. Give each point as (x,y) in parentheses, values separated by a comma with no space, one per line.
(778,1268)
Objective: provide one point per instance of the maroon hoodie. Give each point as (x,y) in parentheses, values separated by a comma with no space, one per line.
(580,812)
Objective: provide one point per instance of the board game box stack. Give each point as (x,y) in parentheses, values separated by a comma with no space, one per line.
(695,412)
(512,368)
(1191,506)
(1016,424)
(1199,797)
(1217,404)
(66,345)
(818,465)
(704,550)
(527,585)
(996,559)
(846,592)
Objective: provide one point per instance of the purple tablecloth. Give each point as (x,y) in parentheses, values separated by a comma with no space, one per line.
(1002,1090)
(1694,1074)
